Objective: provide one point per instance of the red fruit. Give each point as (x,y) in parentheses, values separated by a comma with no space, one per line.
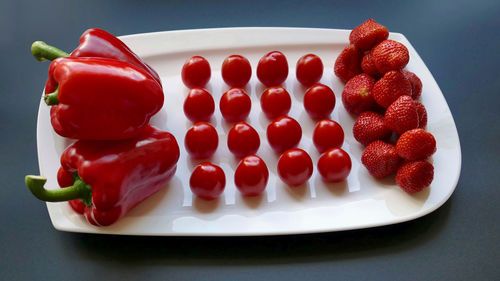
(275,102)
(368,34)
(319,101)
(207,181)
(295,167)
(390,55)
(235,105)
(357,95)
(414,176)
(370,127)
(380,159)
(309,69)
(348,63)
(196,72)
(334,165)
(243,140)
(283,133)
(422,114)
(199,105)
(416,84)
(368,65)
(201,140)
(251,176)
(390,87)
(327,134)
(236,71)
(401,115)
(416,144)
(272,69)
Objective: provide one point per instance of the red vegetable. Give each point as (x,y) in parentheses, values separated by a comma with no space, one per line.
(100,99)
(309,69)
(112,177)
(103,91)
(243,140)
(334,165)
(272,69)
(251,176)
(275,102)
(199,105)
(236,71)
(235,105)
(201,140)
(327,134)
(319,101)
(95,43)
(196,72)
(283,133)
(295,167)
(207,181)
(101,44)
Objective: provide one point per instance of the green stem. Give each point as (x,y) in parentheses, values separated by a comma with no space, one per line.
(41,51)
(79,190)
(51,99)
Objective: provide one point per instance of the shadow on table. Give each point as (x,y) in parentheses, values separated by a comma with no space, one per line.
(136,250)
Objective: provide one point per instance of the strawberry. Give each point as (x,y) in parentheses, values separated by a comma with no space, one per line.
(357,95)
(416,84)
(380,159)
(416,144)
(414,176)
(370,127)
(368,34)
(348,63)
(422,114)
(368,65)
(401,115)
(390,55)
(390,87)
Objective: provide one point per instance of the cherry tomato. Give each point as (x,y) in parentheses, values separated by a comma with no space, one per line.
(284,133)
(196,72)
(272,69)
(327,134)
(275,102)
(236,71)
(199,105)
(207,181)
(251,176)
(235,105)
(295,167)
(201,140)
(334,165)
(319,101)
(243,140)
(309,69)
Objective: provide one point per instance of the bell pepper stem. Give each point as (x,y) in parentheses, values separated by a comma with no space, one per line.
(51,99)
(79,190)
(42,52)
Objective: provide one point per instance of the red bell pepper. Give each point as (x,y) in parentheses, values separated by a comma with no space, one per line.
(103,91)
(106,179)
(100,99)
(95,43)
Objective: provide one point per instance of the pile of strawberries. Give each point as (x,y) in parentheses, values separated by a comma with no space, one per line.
(391,121)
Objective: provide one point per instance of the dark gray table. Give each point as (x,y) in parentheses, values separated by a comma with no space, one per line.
(458,40)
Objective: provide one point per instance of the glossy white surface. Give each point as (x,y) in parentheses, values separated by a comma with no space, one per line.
(360,202)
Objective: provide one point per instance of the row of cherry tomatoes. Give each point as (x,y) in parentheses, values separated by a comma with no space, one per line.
(284,133)
(236,71)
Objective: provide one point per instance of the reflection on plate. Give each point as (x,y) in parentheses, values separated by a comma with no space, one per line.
(360,202)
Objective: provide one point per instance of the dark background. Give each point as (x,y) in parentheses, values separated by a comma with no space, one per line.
(459,42)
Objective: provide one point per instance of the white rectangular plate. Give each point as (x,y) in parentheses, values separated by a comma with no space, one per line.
(359,202)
